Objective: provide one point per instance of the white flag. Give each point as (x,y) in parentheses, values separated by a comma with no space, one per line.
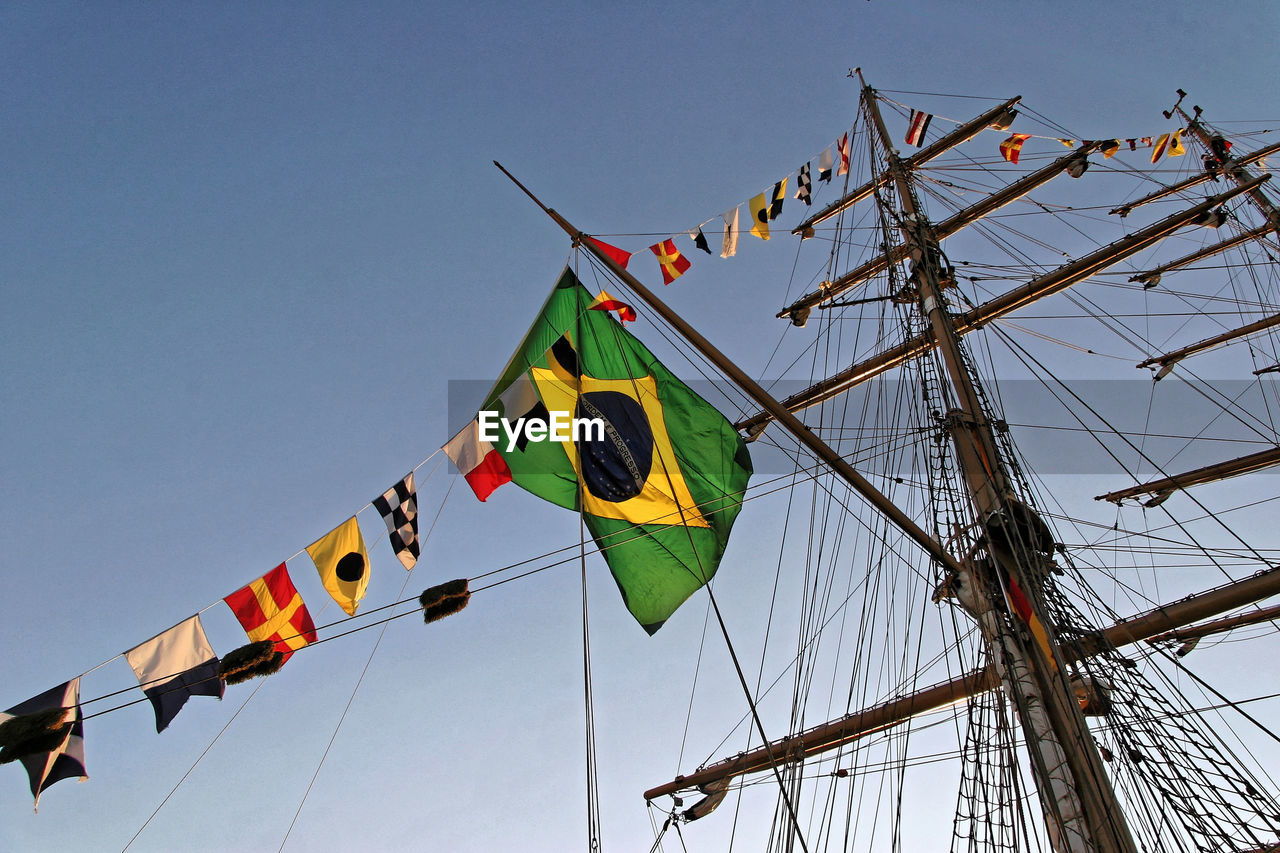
(730,246)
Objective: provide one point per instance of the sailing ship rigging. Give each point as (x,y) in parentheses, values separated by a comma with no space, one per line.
(1065,699)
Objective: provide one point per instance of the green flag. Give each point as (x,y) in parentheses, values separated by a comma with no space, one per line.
(591,421)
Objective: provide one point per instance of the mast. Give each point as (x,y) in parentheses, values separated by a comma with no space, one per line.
(1001,115)
(1193,181)
(1080,808)
(1037,288)
(1230,166)
(1169,621)
(798,311)
(751,388)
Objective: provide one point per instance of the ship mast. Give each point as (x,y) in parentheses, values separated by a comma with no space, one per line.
(1079,805)
(1230,166)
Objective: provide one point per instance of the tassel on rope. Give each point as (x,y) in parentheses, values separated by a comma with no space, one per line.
(29,734)
(444,600)
(250,661)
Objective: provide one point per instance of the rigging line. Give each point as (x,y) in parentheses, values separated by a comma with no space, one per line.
(342,718)
(755,714)
(693,688)
(1235,706)
(702,575)
(1042,336)
(592,770)
(190,769)
(1024,356)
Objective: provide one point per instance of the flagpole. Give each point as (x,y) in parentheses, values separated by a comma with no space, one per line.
(757,393)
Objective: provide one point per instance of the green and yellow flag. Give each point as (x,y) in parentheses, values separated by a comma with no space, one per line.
(591,421)
(343,564)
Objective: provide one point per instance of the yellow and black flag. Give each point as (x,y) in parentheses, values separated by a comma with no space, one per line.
(343,564)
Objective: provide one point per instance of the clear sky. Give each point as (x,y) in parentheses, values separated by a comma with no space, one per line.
(246,248)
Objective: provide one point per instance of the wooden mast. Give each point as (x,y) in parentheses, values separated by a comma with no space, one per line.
(798,311)
(1235,169)
(1080,808)
(1002,114)
(752,389)
(1037,288)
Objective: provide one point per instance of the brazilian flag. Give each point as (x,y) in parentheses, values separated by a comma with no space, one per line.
(659,485)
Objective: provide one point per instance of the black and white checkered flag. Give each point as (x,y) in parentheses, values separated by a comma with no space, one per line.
(803,184)
(399,508)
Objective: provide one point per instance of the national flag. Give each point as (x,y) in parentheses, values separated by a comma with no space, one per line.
(398,507)
(1109,148)
(775,202)
(700,240)
(478,460)
(615,254)
(917,126)
(672,262)
(729,247)
(1019,604)
(175,665)
(343,564)
(64,757)
(844,156)
(1176,148)
(1146,141)
(760,216)
(659,490)
(271,609)
(1012,147)
(824,165)
(605,302)
(804,187)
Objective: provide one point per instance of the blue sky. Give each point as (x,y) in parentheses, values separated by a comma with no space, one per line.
(245,249)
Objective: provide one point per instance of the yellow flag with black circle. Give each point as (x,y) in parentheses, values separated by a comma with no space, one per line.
(343,564)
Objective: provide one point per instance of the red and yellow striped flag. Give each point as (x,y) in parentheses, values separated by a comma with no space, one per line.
(1012,147)
(1160,146)
(672,262)
(271,609)
(1019,604)
(606,302)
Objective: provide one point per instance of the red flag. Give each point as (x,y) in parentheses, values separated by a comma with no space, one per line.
(615,254)
(844,155)
(479,461)
(1019,604)
(271,609)
(1012,147)
(672,262)
(605,302)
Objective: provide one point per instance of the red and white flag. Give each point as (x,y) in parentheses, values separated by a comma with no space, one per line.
(919,124)
(479,461)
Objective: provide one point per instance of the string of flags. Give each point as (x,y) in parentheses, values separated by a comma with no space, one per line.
(46,732)
(834,160)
